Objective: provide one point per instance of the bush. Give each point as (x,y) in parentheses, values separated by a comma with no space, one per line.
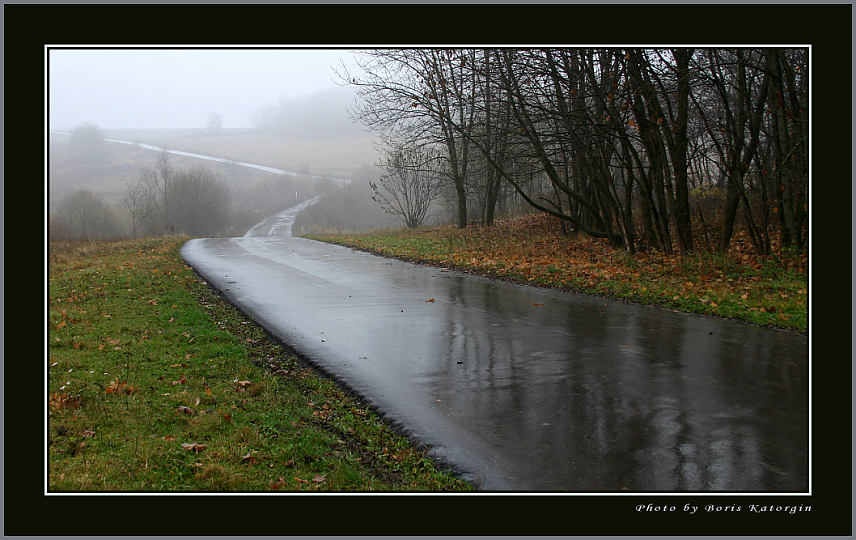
(82,215)
(87,142)
(198,203)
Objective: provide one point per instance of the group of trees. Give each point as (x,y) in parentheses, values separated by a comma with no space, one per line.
(166,200)
(650,148)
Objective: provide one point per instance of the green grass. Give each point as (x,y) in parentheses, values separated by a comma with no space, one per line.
(767,290)
(145,361)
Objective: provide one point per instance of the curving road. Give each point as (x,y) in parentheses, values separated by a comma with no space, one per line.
(527,389)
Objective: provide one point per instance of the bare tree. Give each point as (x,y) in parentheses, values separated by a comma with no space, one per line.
(419,96)
(137,201)
(165,171)
(215,122)
(409,184)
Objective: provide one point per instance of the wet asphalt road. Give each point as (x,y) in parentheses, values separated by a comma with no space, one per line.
(580,394)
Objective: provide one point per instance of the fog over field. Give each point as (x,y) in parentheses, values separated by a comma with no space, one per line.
(277,108)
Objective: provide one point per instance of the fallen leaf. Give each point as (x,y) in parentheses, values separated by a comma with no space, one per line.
(87,433)
(116,387)
(534,304)
(196,447)
(279,483)
(182,380)
(430,300)
(114,341)
(319,478)
(186,410)
(249,458)
(168,438)
(208,391)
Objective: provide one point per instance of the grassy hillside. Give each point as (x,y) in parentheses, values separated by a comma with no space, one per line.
(156,384)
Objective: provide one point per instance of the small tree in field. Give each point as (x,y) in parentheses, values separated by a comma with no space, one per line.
(409,184)
(139,203)
(199,202)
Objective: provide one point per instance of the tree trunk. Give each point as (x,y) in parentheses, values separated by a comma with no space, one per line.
(683,223)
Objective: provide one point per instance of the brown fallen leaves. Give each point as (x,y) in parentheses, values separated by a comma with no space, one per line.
(63,401)
(318,478)
(281,482)
(119,387)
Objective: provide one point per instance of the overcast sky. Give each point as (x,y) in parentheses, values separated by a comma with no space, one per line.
(178,88)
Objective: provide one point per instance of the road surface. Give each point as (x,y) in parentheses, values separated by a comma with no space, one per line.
(527,389)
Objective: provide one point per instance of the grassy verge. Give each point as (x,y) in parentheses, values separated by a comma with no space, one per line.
(770,290)
(156,384)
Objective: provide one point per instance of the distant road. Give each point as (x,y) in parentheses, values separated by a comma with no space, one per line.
(530,389)
(265,168)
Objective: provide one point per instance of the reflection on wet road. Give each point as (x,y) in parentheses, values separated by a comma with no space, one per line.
(580,394)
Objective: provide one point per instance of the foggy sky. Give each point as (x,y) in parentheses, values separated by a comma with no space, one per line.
(140,88)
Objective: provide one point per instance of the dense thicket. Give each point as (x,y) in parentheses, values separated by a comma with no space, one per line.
(651,148)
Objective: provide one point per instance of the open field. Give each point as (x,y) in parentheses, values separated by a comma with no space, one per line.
(157,384)
(769,290)
(334,156)
(110,177)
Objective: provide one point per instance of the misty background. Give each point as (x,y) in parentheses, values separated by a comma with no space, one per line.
(280,108)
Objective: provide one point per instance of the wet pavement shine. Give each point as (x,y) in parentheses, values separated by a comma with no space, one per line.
(525,389)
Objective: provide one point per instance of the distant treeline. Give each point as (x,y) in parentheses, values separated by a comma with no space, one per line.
(318,115)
